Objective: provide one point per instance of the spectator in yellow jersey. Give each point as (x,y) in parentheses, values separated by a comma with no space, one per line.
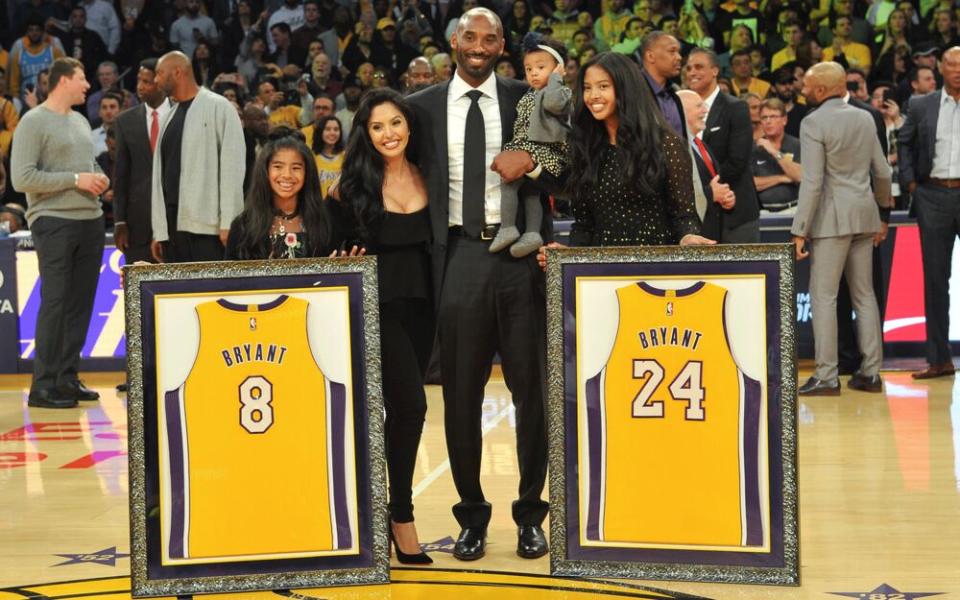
(844,48)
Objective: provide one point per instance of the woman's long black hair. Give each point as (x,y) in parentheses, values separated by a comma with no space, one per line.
(361,180)
(318,143)
(254,223)
(639,134)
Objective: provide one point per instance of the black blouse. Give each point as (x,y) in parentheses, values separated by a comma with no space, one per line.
(401,244)
(616,214)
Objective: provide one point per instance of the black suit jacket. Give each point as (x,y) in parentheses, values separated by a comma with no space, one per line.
(132,176)
(729,135)
(877,122)
(710,227)
(430,107)
(917,139)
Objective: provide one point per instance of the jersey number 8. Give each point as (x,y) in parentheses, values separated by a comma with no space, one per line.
(256,394)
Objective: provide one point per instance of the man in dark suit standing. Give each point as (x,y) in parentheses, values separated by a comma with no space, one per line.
(487,303)
(928,152)
(849,350)
(659,57)
(729,135)
(138,130)
(719,195)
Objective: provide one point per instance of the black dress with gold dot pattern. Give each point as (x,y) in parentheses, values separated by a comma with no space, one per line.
(615,213)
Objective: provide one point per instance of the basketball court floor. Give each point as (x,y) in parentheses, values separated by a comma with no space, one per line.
(879,504)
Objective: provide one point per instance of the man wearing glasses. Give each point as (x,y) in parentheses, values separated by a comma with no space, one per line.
(776,161)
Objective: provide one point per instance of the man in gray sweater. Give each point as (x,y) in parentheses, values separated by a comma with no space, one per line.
(52,162)
(198,167)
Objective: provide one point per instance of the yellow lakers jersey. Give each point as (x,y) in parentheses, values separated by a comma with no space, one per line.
(671,426)
(255,438)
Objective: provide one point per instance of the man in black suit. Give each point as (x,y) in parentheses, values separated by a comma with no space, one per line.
(719,195)
(137,130)
(729,135)
(927,172)
(848,350)
(487,303)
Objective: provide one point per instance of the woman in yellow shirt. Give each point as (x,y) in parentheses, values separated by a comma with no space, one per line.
(328,151)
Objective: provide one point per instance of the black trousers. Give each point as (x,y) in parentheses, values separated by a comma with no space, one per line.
(192,247)
(490,303)
(69,253)
(938,215)
(406,338)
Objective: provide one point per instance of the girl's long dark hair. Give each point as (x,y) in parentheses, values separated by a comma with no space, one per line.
(361,181)
(639,134)
(255,221)
(318,142)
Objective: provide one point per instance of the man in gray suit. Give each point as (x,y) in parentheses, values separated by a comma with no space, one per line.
(930,172)
(836,216)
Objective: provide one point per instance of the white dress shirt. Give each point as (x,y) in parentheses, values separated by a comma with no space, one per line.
(709,102)
(946,156)
(102,18)
(458,103)
(162,111)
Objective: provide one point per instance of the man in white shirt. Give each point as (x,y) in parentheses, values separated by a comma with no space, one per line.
(488,302)
(102,18)
(290,13)
(109,109)
(191,28)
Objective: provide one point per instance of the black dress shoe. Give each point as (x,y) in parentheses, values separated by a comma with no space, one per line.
(861,382)
(817,387)
(79,390)
(472,543)
(51,398)
(531,543)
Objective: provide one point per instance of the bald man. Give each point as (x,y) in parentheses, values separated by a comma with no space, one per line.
(928,171)
(198,168)
(419,75)
(718,195)
(838,221)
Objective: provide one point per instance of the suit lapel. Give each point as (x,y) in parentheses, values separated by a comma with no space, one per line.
(934,111)
(508,110)
(440,147)
(141,130)
(713,117)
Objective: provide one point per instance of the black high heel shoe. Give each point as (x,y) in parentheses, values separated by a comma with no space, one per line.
(420,558)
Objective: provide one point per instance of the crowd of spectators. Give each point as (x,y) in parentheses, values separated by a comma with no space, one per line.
(301,61)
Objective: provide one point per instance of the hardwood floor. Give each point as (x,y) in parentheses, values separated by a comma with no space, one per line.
(879,502)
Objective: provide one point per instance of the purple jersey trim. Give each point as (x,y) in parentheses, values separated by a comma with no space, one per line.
(341,518)
(260,307)
(595,448)
(175,444)
(751,439)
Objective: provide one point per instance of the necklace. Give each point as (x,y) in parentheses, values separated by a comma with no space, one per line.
(284,218)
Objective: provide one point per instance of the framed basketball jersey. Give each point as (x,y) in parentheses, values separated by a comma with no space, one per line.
(672,415)
(256,443)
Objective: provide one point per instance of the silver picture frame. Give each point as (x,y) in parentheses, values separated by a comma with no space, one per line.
(774,264)
(369,562)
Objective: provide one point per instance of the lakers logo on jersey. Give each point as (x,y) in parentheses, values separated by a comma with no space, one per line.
(672,427)
(255,453)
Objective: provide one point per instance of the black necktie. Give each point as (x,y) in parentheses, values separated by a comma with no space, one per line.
(474,163)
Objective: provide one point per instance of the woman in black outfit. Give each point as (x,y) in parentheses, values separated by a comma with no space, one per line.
(283,216)
(380,203)
(634,185)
